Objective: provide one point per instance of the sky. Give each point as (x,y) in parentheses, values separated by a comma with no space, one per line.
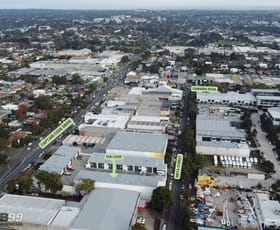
(136,4)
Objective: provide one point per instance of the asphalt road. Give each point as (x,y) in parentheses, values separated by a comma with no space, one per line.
(173,215)
(25,157)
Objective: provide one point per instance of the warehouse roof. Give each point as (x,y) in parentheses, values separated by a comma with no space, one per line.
(274,112)
(131,160)
(34,209)
(141,142)
(107,209)
(65,216)
(58,161)
(122,178)
(217,127)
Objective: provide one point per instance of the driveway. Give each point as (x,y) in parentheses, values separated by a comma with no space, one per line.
(265,147)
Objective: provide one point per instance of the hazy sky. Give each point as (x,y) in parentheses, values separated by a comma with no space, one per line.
(132,4)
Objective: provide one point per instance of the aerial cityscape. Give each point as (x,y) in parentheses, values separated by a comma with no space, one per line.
(145,116)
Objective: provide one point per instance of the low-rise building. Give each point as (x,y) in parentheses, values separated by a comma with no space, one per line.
(274,115)
(268,211)
(61,160)
(138,144)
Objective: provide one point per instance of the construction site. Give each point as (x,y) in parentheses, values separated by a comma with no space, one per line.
(224,206)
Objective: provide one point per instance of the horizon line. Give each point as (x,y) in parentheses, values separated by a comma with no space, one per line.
(248,8)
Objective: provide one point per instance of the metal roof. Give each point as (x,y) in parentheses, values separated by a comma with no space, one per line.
(58,161)
(131,160)
(107,209)
(122,178)
(65,216)
(141,142)
(206,126)
(274,112)
(34,209)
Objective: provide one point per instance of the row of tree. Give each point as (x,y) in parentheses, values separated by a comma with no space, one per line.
(43,181)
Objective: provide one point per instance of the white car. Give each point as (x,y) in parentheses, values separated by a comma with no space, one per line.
(140,220)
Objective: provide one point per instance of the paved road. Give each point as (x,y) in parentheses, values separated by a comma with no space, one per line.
(25,157)
(265,147)
(173,215)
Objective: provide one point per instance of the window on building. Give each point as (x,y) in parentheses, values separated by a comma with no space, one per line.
(154,170)
(110,166)
(149,169)
(93,165)
(101,165)
(130,168)
(119,167)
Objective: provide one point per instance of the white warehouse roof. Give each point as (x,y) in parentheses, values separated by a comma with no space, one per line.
(138,142)
(107,209)
(34,209)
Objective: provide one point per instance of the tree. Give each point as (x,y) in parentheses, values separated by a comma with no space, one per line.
(37,130)
(59,80)
(4,132)
(266,166)
(3,158)
(43,102)
(51,181)
(77,80)
(25,183)
(3,143)
(161,198)
(139,227)
(21,112)
(11,186)
(125,59)
(87,185)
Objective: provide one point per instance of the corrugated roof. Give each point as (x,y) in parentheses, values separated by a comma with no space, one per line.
(122,178)
(107,209)
(59,160)
(141,142)
(34,209)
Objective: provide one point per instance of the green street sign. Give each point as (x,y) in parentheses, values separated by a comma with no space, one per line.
(56,133)
(209,89)
(178,166)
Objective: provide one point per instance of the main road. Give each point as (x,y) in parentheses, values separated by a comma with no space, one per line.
(28,156)
(173,215)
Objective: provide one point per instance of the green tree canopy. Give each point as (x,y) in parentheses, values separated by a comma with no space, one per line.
(43,102)
(87,185)
(59,80)
(139,227)
(125,59)
(76,79)
(52,181)
(161,198)
(266,166)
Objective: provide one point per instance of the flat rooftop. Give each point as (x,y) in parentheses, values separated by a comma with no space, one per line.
(217,127)
(107,209)
(140,142)
(274,112)
(58,161)
(131,160)
(70,139)
(121,179)
(35,210)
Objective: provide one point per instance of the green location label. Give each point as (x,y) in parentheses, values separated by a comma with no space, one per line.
(204,89)
(113,158)
(56,133)
(178,166)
